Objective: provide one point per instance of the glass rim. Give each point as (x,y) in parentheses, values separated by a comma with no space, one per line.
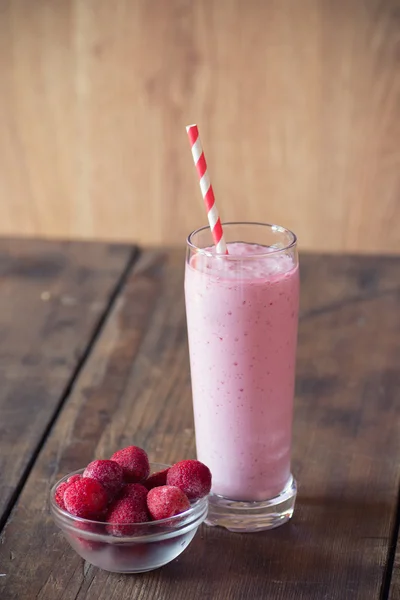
(271,251)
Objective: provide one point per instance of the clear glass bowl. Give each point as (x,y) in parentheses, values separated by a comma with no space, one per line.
(151,546)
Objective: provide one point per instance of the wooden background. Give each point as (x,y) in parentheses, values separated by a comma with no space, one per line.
(298,102)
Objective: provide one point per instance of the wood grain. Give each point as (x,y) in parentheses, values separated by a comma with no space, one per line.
(135,388)
(395,579)
(298,104)
(53,295)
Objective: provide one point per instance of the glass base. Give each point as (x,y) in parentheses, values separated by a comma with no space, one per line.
(252,516)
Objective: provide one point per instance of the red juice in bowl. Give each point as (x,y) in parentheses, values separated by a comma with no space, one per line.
(242,315)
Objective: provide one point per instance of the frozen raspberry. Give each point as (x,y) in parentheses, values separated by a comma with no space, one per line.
(157,479)
(123,513)
(59,495)
(134,462)
(129,554)
(135,491)
(192,477)
(107,472)
(74,478)
(89,544)
(166,501)
(85,498)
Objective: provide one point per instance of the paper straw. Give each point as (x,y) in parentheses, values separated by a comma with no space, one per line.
(206,189)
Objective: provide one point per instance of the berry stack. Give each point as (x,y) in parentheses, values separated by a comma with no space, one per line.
(121,492)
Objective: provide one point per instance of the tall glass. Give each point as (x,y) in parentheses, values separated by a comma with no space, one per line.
(242,315)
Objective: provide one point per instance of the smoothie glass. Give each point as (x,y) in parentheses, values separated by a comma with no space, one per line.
(242,315)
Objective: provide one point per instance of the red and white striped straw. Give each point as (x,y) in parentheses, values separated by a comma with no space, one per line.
(206,189)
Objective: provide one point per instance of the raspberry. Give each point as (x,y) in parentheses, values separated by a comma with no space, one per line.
(166,501)
(157,479)
(59,495)
(123,513)
(192,477)
(134,462)
(135,491)
(129,554)
(107,472)
(74,478)
(84,542)
(85,498)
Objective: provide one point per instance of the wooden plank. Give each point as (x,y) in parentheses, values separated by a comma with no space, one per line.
(135,388)
(53,295)
(305,129)
(394,593)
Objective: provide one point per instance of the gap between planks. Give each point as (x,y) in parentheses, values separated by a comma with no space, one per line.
(97,330)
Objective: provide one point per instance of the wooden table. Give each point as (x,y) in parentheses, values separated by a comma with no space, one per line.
(94,357)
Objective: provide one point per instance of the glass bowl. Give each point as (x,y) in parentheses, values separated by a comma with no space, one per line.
(150,546)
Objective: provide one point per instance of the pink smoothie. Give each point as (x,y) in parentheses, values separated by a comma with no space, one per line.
(242,327)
